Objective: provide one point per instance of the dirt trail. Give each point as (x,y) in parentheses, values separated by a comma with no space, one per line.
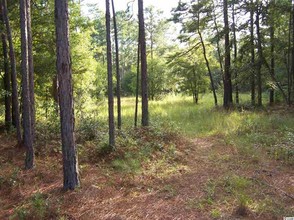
(186,194)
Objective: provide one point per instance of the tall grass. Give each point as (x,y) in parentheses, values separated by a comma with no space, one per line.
(244,128)
(198,120)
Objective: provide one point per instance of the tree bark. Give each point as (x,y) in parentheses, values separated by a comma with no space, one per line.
(7,81)
(259,63)
(252,52)
(144,75)
(292,54)
(272,40)
(137,85)
(218,44)
(26,110)
(228,98)
(110,83)
(15,103)
(31,68)
(288,64)
(63,64)
(235,55)
(118,77)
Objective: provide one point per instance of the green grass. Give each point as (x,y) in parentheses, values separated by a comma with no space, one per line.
(191,119)
(243,128)
(240,127)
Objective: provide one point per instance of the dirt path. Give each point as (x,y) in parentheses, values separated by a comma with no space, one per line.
(203,184)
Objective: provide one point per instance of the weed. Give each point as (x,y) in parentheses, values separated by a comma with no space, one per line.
(10,180)
(210,189)
(21,213)
(169,190)
(39,205)
(89,129)
(127,165)
(36,208)
(239,186)
(215,214)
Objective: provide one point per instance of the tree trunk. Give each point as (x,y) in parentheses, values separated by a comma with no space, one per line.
(26,103)
(235,56)
(292,52)
(137,85)
(54,93)
(207,65)
(144,77)
(63,64)
(218,45)
(15,103)
(110,83)
(252,52)
(228,98)
(272,36)
(195,86)
(6,84)
(289,66)
(259,47)
(31,68)
(118,77)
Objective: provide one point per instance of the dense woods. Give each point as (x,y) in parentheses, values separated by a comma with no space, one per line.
(212,73)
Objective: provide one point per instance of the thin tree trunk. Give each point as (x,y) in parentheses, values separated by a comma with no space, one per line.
(218,44)
(6,84)
(272,36)
(118,77)
(110,83)
(63,66)
(15,103)
(55,93)
(263,61)
(259,47)
(194,86)
(207,63)
(31,68)
(26,110)
(228,98)
(289,66)
(292,52)
(144,76)
(137,84)
(235,56)
(252,52)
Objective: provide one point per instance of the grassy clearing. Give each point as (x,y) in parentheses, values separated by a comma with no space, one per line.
(274,131)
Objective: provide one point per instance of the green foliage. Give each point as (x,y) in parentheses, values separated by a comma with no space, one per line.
(129,84)
(215,213)
(169,190)
(158,81)
(37,207)
(88,129)
(20,213)
(10,180)
(127,164)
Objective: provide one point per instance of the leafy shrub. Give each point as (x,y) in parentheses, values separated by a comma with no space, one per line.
(89,129)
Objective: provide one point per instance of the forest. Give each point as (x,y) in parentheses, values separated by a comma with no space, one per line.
(133,114)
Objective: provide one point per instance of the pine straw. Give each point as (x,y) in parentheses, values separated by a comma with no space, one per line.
(108,194)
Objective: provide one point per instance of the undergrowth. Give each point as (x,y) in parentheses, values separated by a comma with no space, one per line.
(254,133)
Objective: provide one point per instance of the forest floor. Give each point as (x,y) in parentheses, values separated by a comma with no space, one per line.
(183,178)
